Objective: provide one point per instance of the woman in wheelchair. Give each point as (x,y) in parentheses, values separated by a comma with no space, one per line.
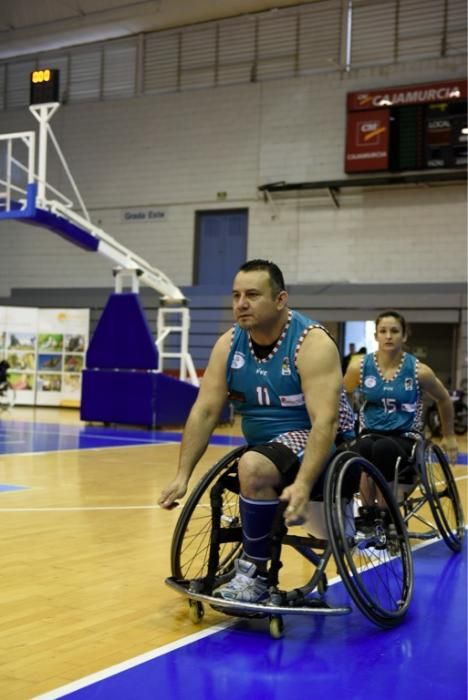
(392,383)
(282,372)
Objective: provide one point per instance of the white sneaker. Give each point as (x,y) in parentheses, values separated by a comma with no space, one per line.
(245,586)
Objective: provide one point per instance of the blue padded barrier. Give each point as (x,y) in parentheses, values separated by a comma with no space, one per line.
(174,400)
(149,398)
(121,384)
(113,396)
(122,339)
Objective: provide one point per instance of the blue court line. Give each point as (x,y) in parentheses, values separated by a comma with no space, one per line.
(18,437)
(11,487)
(344,657)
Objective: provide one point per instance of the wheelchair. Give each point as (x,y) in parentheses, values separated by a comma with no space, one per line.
(425,489)
(372,553)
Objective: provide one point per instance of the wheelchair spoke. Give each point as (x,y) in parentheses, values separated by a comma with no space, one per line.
(382,575)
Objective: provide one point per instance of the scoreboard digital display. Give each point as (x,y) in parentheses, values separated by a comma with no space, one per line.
(415,127)
(44,86)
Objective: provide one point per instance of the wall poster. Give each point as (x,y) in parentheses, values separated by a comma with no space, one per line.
(45,349)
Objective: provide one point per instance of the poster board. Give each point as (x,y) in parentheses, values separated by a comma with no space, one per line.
(45,349)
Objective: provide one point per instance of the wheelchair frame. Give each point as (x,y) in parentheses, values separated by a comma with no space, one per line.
(434,485)
(374,562)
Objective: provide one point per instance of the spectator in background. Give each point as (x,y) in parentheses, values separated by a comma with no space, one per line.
(347,358)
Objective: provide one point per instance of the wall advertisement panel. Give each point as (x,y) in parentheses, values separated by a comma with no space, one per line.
(45,349)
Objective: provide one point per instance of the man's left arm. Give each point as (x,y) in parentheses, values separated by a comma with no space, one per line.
(319,368)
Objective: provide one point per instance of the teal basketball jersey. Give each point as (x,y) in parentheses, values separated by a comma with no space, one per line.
(267,392)
(390,405)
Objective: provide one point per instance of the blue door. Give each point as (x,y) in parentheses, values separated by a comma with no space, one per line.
(221,246)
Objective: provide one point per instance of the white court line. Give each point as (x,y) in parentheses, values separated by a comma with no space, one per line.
(85,449)
(131,663)
(80,433)
(159,443)
(72,509)
(98,437)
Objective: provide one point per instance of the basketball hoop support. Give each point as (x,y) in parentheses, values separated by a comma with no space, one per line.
(32,206)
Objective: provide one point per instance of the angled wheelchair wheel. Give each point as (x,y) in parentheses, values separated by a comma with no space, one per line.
(369,541)
(443,497)
(192,535)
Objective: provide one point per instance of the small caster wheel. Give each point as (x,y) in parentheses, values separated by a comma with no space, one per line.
(322,585)
(276,626)
(196,611)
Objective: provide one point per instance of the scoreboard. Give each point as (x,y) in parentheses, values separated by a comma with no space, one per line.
(415,127)
(44,86)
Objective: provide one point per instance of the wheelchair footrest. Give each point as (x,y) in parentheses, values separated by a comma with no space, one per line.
(431,535)
(270,606)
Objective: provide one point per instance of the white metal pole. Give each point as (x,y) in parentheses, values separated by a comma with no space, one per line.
(30,141)
(8,175)
(42,154)
(43,113)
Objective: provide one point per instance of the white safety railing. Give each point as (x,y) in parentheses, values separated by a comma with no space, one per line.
(17,158)
(168,325)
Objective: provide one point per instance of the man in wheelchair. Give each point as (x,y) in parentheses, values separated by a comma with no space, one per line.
(392,383)
(282,371)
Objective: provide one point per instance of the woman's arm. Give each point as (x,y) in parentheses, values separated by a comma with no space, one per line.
(353,374)
(431,385)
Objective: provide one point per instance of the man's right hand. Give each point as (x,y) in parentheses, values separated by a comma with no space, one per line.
(169,495)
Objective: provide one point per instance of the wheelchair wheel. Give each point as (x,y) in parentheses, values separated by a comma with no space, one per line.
(192,535)
(369,543)
(443,498)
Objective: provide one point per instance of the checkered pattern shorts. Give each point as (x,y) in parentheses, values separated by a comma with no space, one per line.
(296,440)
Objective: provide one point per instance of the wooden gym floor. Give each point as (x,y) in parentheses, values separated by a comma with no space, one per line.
(85,550)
